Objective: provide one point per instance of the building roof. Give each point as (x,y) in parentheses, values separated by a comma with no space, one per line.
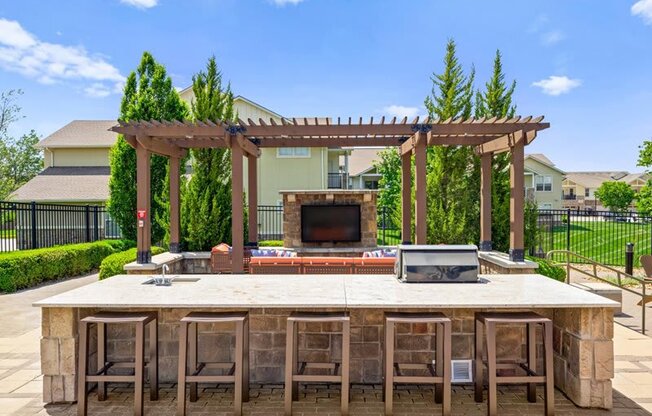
(362,160)
(595,179)
(82,133)
(66,184)
(543,159)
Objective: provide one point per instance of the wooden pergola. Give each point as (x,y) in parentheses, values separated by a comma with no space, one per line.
(245,139)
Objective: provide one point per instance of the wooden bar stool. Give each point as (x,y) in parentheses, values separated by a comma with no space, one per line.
(440,373)
(295,372)
(236,372)
(101,377)
(490,320)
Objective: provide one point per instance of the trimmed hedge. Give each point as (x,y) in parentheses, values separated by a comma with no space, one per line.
(270,243)
(114,264)
(548,268)
(27,268)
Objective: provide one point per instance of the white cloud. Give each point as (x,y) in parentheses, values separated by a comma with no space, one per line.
(97,90)
(282,3)
(401,111)
(12,34)
(141,4)
(643,8)
(50,63)
(557,85)
(552,37)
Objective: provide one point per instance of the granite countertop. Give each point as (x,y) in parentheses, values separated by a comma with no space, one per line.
(326,291)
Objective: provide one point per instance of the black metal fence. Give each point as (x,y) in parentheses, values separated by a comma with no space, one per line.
(30,225)
(599,235)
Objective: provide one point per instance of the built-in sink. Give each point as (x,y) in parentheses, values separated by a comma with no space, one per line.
(174,280)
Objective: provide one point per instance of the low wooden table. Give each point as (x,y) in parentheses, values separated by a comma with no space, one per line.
(583,322)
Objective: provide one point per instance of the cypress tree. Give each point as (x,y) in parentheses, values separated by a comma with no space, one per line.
(206,207)
(496,101)
(148,95)
(452,178)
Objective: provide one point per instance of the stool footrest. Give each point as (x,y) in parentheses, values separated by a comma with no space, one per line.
(111,379)
(418,379)
(399,367)
(317,378)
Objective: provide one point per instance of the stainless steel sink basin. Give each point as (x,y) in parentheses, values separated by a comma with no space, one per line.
(175,280)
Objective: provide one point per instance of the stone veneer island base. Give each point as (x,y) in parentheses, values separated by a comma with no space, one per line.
(583,324)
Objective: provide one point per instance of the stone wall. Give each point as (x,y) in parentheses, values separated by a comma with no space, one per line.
(583,348)
(292,201)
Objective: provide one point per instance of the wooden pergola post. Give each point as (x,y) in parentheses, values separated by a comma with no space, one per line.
(252,186)
(517,199)
(485,201)
(420,208)
(237,206)
(406,198)
(143,193)
(175,225)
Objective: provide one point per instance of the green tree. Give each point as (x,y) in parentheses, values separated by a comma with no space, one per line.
(388,166)
(496,101)
(148,95)
(617,196)
(452,181)
(20,160)
(644,200)
(206,207)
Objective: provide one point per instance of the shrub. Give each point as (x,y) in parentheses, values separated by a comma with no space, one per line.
(23,269)
(114,264)
(548,268)
(270,243)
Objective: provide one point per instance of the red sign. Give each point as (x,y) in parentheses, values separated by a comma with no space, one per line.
(142,214)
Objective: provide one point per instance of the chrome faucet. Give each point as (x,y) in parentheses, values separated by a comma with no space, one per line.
(165,269)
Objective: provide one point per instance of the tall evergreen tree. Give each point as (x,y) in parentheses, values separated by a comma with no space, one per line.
(496,101)
(148,95)
(452,179)
(206,207)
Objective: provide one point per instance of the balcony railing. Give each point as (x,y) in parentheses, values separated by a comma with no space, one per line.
(571,197)
(338,180)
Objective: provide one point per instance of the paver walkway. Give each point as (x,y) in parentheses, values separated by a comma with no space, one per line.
(20,380)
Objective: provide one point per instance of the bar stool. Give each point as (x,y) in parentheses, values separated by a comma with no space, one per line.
(102,319)
(295,372)
(490,320)
(440,374)
(236,372)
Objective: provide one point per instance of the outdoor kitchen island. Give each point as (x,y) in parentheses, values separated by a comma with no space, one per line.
(583,324)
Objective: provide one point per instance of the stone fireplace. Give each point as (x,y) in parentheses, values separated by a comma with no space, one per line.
(293,200)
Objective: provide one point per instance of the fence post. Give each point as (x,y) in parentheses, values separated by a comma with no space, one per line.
(33,220)
(384,225)
(96,223)
(88,223)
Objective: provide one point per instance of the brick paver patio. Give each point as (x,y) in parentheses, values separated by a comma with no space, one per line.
(20,380)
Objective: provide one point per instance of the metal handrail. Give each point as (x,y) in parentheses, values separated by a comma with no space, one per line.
(620,274)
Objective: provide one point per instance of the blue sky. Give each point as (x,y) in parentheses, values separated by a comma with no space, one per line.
(585,65)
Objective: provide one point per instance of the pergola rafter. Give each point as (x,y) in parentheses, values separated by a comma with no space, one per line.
(246,137)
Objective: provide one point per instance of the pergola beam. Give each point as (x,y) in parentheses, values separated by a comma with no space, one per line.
(161,148)
(505,143)
(247,146)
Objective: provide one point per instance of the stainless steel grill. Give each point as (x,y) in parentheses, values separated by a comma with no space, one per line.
(437,264)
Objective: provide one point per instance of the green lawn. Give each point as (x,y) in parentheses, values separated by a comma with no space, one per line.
(601,241)
(392,237)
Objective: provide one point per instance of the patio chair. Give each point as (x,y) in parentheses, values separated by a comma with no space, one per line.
(646,262)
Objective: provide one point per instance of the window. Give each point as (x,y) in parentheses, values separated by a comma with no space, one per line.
(293,152)
(587,192)
(545,206)
(371,184)
(543,183)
